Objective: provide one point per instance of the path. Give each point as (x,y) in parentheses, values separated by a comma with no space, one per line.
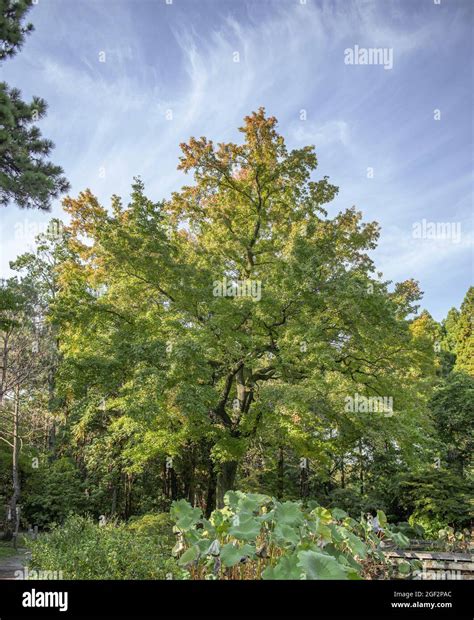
(12,563)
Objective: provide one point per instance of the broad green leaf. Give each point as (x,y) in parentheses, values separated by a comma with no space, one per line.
(231,554)
(186,516)
(286,568)
(355,544)
(252,502)
(248,528)
(336,532)
(317,565)
(189,556)
(265,517)
(323,513)
(286,534)
(399,539)
(203,545)
(231,499)
(321,529)
(289,513)
(338,514)
(345,558)
(352,524)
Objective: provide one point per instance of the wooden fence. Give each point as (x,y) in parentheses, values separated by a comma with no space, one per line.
(436,565)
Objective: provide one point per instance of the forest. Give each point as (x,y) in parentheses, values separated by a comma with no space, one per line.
(221,384)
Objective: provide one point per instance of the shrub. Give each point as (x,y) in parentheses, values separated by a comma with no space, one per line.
(437,498)
(158,527)
(348,499)
(410,531)
(51,493)
(82,549)
(456,541)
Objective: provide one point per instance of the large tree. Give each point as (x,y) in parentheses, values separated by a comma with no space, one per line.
(465,335)
(236,313)
(27,178)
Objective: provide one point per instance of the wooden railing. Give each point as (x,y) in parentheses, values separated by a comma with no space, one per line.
(436,564)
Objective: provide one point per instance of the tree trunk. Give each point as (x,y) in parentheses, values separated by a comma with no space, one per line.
(170,481)
(3,367)
(188,475)
(14,508)
(225,481)
(281,474)
(361,468)
(173,484)
(113,507)
(128,483)
(304,481)
(211,490)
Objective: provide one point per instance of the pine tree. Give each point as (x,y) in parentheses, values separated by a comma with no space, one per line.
(27,178)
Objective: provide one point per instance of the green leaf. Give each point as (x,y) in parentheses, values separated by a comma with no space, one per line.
(208,528)
(317,565)
(336,532)
(189,556)
(186,516)
(355,544)
(231,554)
(286,534)
(399,539)
(220,519)
(246,528)
(252,502)
(404,568)
(289,513)
(321,529)
(214,548)
(286,568)
(323,513)
(382,518)
(266,516)
(348,560)
(338,514)
(231,499)
(204,545)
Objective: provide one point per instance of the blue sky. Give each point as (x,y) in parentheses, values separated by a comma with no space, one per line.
(109,119)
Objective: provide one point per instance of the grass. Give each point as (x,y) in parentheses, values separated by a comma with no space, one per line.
(6,549)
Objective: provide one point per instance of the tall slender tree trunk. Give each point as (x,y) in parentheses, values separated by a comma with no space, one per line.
(113,507)
(3,367)
(188,472)
(14,508)
(304,481)
(173,484)
(281,473)
(211,489)
(128,484)
(170,481)
(361,468)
